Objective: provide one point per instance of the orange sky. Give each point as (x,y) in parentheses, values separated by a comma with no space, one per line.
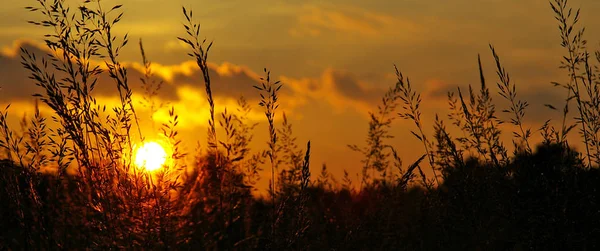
(335,59)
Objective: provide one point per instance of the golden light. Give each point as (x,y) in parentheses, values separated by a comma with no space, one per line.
(151,156)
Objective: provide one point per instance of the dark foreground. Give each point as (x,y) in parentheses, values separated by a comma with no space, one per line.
(544,201)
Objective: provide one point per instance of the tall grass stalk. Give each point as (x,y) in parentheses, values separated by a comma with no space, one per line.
(200,54)
(375,153)
(411,101)
(508,91)
(577,57)
(150,86)
(268,93)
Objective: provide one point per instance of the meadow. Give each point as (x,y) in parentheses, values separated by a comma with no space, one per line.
(87,178)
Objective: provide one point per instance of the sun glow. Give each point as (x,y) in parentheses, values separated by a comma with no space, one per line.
(150,156)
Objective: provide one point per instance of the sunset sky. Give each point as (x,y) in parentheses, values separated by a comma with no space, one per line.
(335,60)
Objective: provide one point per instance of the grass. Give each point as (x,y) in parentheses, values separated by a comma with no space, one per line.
(540,196)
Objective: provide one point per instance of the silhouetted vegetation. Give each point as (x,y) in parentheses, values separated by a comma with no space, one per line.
(480,196)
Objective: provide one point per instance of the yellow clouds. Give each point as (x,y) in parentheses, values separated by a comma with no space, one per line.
(340,89)
(315,20)
(183,89)
(167,72)
(147,28)
(12,51)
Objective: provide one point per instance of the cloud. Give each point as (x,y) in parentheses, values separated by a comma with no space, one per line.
(16,85)
(228,80)
(342,90)
(13,77)
(183,87)
(315,20)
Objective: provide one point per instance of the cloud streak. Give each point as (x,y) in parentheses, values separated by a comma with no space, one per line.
(316,20)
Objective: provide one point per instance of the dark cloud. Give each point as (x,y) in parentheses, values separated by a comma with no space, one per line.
(13,77)
(339,88)
(17,85)
(350,87)
(227,80)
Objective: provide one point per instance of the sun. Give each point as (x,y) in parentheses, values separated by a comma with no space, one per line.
(151,156)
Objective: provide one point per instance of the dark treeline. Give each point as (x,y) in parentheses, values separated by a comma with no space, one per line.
(69,183)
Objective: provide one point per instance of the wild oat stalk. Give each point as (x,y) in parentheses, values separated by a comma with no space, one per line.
(291,155)
(447,153)
(116,71)
(167,181)
(240,174)
(577,56)
(239,145)
(411,103)
(303,219)
(238,132)
(478,122)
(268,94)
(72,49)
(37,141)
(200,54)
(408,175)
(517,108)
(375,155)
(6,133)
(151,86)
(325,180)
(591,112)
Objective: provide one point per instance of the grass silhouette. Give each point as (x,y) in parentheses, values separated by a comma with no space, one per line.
(540,196)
